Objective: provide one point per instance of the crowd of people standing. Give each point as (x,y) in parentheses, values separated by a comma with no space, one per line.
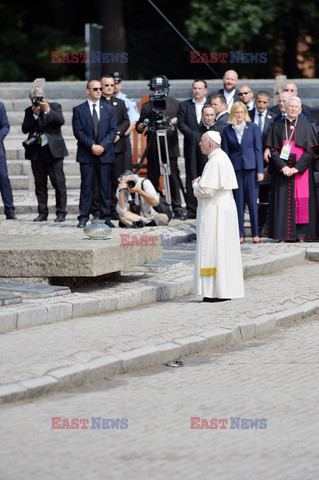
(272,151)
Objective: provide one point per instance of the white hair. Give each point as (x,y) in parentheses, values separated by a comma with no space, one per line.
(37,92)
(293,98)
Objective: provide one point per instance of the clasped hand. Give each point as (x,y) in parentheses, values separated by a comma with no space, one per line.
(288,172)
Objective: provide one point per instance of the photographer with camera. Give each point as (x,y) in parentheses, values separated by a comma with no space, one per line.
(137,201)
(46,149)
(160,113)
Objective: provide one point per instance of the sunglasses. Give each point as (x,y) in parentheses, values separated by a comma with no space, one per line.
(243,93)
(108,85)
(96,89)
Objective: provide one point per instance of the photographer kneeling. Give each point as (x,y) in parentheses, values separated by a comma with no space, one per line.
(136,199)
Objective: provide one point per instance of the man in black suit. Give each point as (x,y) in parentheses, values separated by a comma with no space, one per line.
(230,80)
(292,89)
(153,169)
(94,127)
(119,166)
(46,150)
(220,106)
(264,119)
(206,125)
(189,119)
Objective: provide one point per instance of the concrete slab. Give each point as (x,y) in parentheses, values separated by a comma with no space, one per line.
(71,255)
(32,290)
(9,299)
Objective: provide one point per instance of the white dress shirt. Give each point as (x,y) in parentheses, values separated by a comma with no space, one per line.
(97,103)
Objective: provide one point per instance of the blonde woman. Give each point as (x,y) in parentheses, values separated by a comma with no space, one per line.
(242,142)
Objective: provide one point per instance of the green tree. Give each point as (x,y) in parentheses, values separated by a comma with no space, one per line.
(272,26)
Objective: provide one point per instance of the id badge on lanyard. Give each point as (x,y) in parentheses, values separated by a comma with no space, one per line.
(285,151)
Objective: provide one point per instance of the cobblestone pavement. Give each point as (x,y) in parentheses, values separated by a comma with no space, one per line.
(275,378)
(33,352)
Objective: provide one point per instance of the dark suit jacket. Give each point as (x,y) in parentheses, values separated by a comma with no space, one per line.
(269,120)
(221,123)
(172,107)
(122,121)
(305,110)
(50,124)
(216,92)
(4,127)
(201,158)
(187,124)
(247,154)
(83,130)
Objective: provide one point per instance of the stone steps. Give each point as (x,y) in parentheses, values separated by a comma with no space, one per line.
(70,94)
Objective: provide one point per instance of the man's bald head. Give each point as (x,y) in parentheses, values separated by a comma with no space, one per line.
(291,88)
(230,80)
(245,94)
(282,100)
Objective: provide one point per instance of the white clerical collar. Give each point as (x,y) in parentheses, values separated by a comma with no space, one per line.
(208,126)
(290,119)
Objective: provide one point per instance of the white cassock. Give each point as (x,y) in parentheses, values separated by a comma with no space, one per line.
(218,267)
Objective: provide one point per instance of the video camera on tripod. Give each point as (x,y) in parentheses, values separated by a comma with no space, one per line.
(158,125)
(159,87)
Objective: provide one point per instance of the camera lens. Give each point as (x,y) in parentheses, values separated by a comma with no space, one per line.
(131,184)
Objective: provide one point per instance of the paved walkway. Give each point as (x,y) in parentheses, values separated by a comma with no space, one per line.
(274,377)
(68,353)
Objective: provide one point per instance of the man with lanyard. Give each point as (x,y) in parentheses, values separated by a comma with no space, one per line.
(293,208)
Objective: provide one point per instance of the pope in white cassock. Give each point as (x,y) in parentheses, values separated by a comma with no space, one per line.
(218,271)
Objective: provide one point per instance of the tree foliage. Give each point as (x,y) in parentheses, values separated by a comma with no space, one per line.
(30,32)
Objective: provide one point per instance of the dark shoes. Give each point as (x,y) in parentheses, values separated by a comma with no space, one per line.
(41,218)
(189,216)
(11,216)
(109,223)
(82,224)
(115,216)
(60,217)
(180,215)
(213,300)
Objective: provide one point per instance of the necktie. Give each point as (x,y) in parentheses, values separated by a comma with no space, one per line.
(95,123)
(260,125)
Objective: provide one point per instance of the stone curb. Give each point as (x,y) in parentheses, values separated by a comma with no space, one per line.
(76,306)
(153,355)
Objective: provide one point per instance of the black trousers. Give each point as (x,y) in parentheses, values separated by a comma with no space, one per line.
(153,174)
(118,167)
(42,168)
(103,173)
(263,210)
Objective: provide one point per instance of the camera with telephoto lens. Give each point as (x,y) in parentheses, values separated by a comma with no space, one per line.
(131,183)
(37,100)
(34,139)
